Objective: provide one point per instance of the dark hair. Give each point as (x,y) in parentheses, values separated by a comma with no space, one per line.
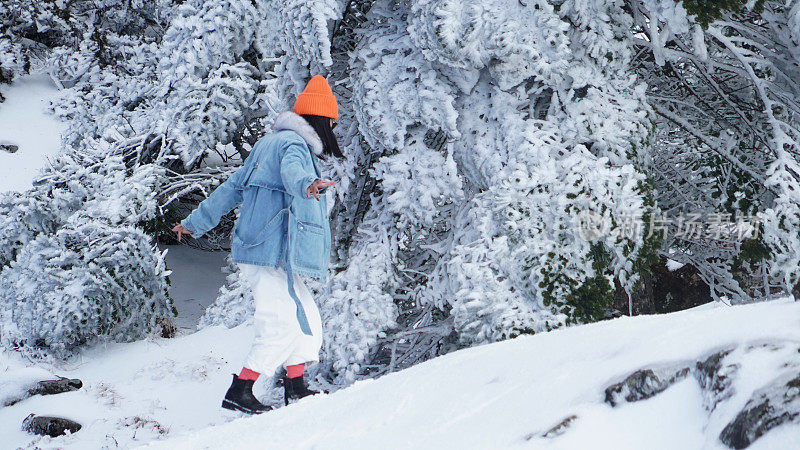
(322,125)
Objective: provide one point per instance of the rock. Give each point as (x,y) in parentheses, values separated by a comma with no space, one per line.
(643,384)
(49,426)
(47,387)
(10,148)
(768,407)
(59,386)
(560,428)
(774,404)
(715,379)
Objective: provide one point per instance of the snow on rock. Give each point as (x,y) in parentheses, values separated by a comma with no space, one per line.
(715,378)
(541,391)
(50,426)
(15,384)
(769,407)
(26,124)
(643,384)
(524,392)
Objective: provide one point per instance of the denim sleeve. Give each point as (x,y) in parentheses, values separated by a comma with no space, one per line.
(295,172)
(209,212)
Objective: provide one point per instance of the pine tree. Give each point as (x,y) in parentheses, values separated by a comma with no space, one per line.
(88,281)
(481,138)
(727,136)
(79,267)
(515,90)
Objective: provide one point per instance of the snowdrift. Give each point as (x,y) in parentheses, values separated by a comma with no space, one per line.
(26,124)
(677,380)
(548,391)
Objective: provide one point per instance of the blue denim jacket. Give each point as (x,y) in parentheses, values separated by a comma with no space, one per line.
(277,225)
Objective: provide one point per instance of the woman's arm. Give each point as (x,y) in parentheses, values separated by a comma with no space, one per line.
(297,179)
(209,212)
(295,173)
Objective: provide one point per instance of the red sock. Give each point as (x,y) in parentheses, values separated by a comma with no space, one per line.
(248,374)
(295,371)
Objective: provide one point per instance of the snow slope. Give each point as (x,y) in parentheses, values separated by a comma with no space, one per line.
(132,393)
(508,394)
(26,122)
(503,395)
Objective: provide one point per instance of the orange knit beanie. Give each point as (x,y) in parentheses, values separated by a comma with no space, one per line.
(317,99)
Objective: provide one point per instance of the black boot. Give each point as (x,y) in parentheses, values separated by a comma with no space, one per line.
(295,388)
(240,397)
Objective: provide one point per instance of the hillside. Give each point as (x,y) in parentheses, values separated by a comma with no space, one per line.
(503,395)
(510,394)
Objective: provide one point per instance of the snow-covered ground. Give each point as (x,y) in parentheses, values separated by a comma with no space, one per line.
(195,281)
(133,393)
(502,395)
(26,123)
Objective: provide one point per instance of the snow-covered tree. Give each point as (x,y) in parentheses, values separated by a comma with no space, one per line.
(296,33)
(506,161)
(234,304)
(12,61)
(88,281)
(723,79)
(490,127)
(79,267)
(205,84)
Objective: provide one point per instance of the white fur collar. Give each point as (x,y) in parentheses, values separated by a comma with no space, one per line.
(289,120)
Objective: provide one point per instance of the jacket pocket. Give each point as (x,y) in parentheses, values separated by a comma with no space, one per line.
(307,245)
(262,235)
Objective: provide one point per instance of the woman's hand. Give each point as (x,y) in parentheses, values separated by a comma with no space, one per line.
(181,230)
(317,186)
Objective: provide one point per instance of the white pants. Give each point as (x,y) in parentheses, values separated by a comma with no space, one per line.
(285,333)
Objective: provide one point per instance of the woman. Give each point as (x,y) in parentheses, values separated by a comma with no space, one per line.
(282,231)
